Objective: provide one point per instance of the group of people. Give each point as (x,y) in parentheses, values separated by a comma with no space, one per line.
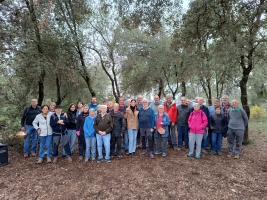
(109,126)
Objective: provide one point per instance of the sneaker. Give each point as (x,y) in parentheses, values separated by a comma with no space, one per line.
(175,148)
(134,154)
(26,155)
(69,159)
(80,158)
(143,152)
(126,152)
(86,160)
(40,160)
(207,148)
(186,149)
(55,160)
(99,160)
(49,160)
(157,152)
(164,154)
(197,156)
(130,154)
(151,155)
(93,159)
(236,156)
(204,151)
(179,148)
(229,155)
(33,154)
(108,161)
(219,153)
(111,157)
(213,152)
(190,155)
(120,156)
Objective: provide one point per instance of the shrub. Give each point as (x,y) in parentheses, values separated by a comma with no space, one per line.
(257,112)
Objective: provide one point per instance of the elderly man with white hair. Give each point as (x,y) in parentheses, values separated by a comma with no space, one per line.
(103,125)
(146,126)
(238,120)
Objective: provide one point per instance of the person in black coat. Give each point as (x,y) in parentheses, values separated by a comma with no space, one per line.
(58,122)
(80,132)
(72,125)
(218,125)
(117,132)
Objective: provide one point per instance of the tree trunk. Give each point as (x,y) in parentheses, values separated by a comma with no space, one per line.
(161,88)
(58,102)
(243,89)
(41,88)
(183,88)
(209,92)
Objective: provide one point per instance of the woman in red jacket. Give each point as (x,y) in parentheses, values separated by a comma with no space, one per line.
(197,123)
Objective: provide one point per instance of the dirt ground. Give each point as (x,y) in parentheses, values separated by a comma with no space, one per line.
(173,177)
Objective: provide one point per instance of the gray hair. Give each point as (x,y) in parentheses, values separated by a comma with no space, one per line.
(196,104)
(144,100)
(168,95)
(91,110)
(160,106)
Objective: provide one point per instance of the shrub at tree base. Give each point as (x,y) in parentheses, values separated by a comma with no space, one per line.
(257,112)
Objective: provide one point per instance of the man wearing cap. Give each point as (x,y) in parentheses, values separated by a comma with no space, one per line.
(58,123)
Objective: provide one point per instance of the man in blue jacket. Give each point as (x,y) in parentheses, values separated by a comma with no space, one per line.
(146,119)
(58,123)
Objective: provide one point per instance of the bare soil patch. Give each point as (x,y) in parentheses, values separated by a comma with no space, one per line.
(173,177)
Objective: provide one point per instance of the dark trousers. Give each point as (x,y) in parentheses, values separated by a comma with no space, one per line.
(81,145)
(138,137)
(115,140)
(65,144)
(161,143)
(147,135)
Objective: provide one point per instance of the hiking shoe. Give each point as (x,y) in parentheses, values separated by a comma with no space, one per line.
(190,155)
(86,160)
(80,158)
(126,152)
(93,159)
(151,155)
(197,156)
(164,154)
(69,159)
(175,148)
(143,152)
(157,152)
(111,157)
(55,160)
(130,154)
(49,160)
(40,160)
(26,155)
(236,156)
(213,152)
(179,148)
(99,160)
(204,151)
(229,155)
(134,154)
(108,161)
(219,153)
(207,148)
(33,154)
(120,156)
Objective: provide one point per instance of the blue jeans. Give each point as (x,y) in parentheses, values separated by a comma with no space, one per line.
(32,135)
(204,140)
(132,135)
(126,141)
(72,135)
(216,139)
(183,134)
(90,144)
(45,142)
(106,140)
